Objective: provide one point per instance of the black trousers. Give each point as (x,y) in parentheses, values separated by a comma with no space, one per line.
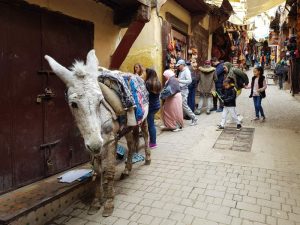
(216,100)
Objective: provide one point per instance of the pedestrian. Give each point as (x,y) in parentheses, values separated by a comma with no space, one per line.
(206,86)
(228,96)
(267,59)
(219,83)
(178,55)
(281,72)
(253,59)
(185,79)
(262,60)
(154,87)
(172,64)
(248,62)
(258,87)
(239,77)
(193,86)
(172,114)
(139,70)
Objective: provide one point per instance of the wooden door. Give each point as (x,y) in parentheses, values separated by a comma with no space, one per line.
(21,118)
(65,39)
(37,139)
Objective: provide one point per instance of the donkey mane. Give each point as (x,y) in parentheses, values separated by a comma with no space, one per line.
(80,69)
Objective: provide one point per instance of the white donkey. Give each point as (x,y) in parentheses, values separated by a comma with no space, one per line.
(98,126)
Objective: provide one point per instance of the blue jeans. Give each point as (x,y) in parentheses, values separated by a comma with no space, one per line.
(257,105)
(151,126)
(192,95)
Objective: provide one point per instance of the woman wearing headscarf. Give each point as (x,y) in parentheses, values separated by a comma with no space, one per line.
(172,114)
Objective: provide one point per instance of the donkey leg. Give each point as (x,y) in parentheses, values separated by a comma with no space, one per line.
(145,132)
(109,176)
(130,145)
(136,139)
(98,198)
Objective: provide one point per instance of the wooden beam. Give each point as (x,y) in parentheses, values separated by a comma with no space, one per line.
(126,43)
(133,31)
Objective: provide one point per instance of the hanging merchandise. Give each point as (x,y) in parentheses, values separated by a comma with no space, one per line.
(292,46)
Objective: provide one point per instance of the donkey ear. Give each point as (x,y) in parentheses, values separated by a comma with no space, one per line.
(62,72)
(92,61)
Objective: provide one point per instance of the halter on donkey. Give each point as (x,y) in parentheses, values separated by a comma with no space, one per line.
(98,126)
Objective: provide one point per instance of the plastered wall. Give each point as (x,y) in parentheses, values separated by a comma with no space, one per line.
(107,35)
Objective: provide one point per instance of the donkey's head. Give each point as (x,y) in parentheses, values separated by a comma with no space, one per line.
(84,97)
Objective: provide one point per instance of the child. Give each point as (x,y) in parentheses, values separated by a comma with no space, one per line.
(258,91)
(228,96)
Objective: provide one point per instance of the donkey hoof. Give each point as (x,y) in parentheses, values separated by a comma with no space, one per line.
(147,162)
(93,210)
(107,212)
(124,176)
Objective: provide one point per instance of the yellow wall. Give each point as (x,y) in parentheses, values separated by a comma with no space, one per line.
(147,49)
(205,22)
(174,8)
(106,33)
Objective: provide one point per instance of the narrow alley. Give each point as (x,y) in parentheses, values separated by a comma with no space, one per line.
(190,182)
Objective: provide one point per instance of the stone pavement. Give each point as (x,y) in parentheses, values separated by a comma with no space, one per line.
(190,183)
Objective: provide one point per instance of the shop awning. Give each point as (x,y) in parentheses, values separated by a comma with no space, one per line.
(234,27)
(256,7)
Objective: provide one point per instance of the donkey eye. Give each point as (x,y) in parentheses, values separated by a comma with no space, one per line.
(74,105)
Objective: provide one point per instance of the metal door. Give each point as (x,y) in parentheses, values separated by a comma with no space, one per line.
(22,121)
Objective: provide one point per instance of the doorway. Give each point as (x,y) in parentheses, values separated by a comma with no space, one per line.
(38,137)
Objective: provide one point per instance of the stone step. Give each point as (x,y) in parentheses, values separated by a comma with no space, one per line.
(39,202)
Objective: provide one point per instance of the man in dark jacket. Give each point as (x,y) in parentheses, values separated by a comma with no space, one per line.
(219,83)
(281,71)
(229,98)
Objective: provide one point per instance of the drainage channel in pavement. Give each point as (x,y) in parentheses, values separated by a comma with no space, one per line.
(234,140)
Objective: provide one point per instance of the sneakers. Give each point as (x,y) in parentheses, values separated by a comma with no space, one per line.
(197,112)
(177,130)
(239,127)
(219,110)
(213,109)
(194,122)
(220,127)
(152,146)
(240,118)
(162,126)
(263,119)
(207,112)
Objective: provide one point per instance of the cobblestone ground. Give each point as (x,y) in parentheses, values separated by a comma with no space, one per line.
(189,182)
